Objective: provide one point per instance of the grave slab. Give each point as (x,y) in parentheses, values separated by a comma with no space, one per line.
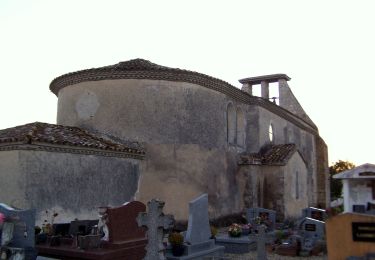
(236,245)
(120,220)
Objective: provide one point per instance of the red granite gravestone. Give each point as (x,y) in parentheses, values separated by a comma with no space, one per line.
(122,224)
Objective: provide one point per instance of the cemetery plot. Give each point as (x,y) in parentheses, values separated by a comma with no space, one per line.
(17,232)
(121,237)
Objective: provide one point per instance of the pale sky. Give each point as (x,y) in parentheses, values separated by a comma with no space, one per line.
(326,47)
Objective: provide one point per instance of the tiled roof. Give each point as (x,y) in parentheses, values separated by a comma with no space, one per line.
(270,155)
(66,136)
(144,69)
(133,69)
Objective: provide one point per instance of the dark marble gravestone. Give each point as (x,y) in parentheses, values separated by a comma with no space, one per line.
(315,213)
(23,239)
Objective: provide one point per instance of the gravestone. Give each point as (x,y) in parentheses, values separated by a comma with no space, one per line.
(198,223)
(311,231)
(155,222)
(23,240)
(315,213)
(261,243)
(122,224)
(266,216)
(199,245)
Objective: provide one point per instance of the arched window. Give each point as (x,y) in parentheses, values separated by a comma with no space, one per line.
(240,127)
(271,133)
(231,124)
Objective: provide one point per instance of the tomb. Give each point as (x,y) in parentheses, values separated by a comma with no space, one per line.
(125,239)
(236,245)
(257,216)
(17,233)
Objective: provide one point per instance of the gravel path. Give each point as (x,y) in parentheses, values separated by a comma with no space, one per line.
(253,256)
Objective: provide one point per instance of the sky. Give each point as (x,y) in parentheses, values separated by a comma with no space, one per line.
(326,47)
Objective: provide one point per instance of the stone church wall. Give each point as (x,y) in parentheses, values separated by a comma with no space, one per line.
(73,185)
(184,128)
(11,184)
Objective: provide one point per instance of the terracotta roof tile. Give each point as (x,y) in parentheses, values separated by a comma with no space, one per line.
(35,133)
(269,155)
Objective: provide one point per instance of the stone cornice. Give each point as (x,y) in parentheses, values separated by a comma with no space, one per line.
(268,78)
(68,149)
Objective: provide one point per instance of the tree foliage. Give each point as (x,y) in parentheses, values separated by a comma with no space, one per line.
(336,185)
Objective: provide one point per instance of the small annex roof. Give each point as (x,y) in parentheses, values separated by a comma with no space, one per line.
(364,171)
(268,78)
(59,138)
(270,155)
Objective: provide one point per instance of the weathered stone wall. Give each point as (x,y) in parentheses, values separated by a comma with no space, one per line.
(322,173)
(184,126)
(147,110)
(285,132)
(11,184)
(181,172)
(274,185)
(73,185)
(293,203)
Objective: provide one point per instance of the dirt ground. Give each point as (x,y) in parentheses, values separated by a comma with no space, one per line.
(253,256)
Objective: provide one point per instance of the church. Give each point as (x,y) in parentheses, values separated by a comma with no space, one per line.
(138,130)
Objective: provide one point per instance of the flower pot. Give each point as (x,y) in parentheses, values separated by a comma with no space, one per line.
(245,232)
(234,234)
(178,250)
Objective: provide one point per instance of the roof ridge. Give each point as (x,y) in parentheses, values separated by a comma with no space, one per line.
(53,134)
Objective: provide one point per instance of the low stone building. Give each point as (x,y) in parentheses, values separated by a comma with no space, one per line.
(359,188)
(200,134)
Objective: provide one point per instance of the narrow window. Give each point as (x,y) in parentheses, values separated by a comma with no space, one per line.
(231,124)
(240,128)
(271,133)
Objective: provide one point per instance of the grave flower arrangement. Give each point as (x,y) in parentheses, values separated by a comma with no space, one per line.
(177,242)
(235,230)
(246,229)
(2,219)
(47,226)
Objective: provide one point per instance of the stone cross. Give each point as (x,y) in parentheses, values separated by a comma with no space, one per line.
(155,222)
(261,243)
